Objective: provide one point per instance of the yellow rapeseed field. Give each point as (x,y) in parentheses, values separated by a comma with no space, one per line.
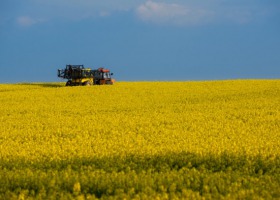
(165,140)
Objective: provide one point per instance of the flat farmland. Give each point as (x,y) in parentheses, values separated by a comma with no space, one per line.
(141,140)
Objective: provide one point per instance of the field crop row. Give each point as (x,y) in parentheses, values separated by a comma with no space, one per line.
(196,140)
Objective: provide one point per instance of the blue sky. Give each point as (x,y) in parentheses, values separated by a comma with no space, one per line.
(141,39)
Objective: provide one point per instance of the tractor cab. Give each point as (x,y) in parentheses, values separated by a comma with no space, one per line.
(103,76)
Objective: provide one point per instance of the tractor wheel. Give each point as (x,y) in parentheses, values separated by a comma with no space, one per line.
(87,83)
(109,82)
(68,83)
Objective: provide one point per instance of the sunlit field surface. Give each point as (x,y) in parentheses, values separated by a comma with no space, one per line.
(141,140)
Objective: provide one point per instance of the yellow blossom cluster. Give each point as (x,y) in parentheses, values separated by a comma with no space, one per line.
(43,125)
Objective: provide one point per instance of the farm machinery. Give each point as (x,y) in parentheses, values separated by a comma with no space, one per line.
(79,75)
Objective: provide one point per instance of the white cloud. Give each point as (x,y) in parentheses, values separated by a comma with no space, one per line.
(28,21)
(178,12)
(173,13)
